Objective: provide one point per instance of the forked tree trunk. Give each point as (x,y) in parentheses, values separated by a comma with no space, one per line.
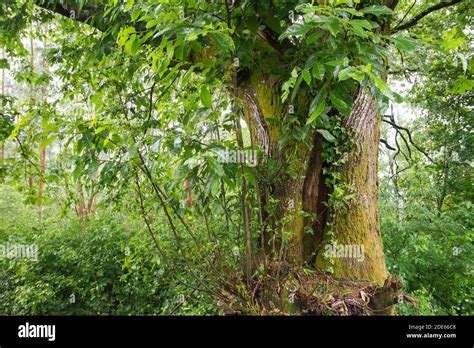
(358,224)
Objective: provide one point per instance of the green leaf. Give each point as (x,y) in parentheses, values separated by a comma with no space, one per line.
(206,97)
(359,31)
(129,4)
(318,71)
(152,23)
(362,23)
(223,41)
(273,23)
(306,76)
(330,24)
(314,37)
(47,142)
(250,176)
(326,135)
(252,23)
(317,111)
(404,43)
(352,11)
(133,45)
(4,64)
(377,10)
(136,13)
(124,34)
(295,30)
(296,88)
(351,72)
(298,133)
(92,168)
(316,101)
(383,87)
(215,166)
(211,184)
(340,2)
(339,103)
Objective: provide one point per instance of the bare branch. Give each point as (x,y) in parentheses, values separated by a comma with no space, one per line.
(387,145)
(398,128)
(412,22)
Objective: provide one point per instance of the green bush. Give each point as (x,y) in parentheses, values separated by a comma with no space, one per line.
(98,266)
(432,252)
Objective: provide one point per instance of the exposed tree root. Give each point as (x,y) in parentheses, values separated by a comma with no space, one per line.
(309,292)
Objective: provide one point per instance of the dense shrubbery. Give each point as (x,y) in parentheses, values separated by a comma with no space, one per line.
(199,157)
(431,252)
(107,265)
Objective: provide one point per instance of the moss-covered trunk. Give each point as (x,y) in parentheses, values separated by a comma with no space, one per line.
(356,227)
(259,94)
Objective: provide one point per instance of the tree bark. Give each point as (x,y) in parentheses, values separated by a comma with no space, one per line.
(358,224)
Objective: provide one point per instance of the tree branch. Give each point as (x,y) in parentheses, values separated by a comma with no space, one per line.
(387,145)
(398,128)
(83,15)
(268,37)
(412,22)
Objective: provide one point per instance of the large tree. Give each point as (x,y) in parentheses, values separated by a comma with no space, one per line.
(308,78)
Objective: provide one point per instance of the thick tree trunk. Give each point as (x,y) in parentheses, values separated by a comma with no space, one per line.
(260,97)
(356,225)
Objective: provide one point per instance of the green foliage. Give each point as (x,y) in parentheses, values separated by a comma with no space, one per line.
(426,206)
(432,252)
(134,108)
(102,266)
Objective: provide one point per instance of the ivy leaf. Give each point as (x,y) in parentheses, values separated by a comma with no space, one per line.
(206,97)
